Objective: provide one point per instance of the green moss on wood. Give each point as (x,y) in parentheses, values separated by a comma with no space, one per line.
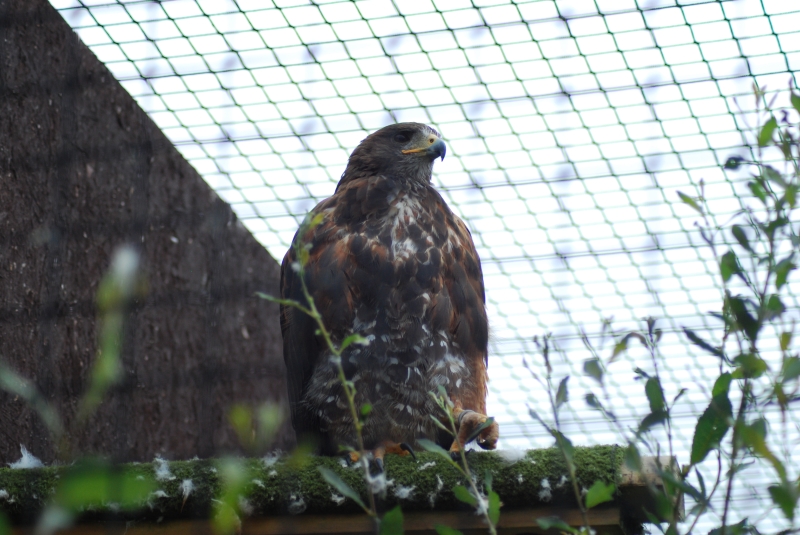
(284,486)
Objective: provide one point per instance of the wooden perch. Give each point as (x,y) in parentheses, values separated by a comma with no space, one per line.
(288,495)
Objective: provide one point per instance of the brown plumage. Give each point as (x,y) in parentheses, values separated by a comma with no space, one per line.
(391,262)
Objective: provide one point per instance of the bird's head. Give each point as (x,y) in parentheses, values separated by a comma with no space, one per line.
(405,151)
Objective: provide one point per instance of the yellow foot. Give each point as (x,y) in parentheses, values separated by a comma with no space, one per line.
(402,449)
(473,425)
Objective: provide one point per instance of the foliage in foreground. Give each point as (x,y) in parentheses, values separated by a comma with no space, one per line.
(757,384)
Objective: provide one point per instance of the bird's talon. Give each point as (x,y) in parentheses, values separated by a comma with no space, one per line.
(409,449)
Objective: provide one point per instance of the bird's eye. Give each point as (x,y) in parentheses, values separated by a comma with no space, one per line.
(401,138)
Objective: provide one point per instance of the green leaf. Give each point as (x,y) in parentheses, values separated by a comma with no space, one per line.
(593,402)
(564,444)
(782,270)
(691,201)
(593,369)
(353,339)
(750,366)
(773,175)
(463,495)
(655,395)
(754,436)
(740,528)
(599,493)
(786,340)
(791,368)
(713,424)
(392,522)
(744,319)
(494,507)
(775,307)
(741,237)
(722,385)
(633,460)
(651,420)
(562,395)
(444,530)
(365,410)
(699,342)
(433,447)
(343,488)
(729,266)
(785,497)
(553,522)
(795,98)
(758,191)
(765,136)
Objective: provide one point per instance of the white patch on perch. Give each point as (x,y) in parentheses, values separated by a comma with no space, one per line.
(297,504)
(546,494)
(27,460)
(162,470)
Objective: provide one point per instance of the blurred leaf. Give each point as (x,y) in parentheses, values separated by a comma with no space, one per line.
(691,201)
(632,458)
(17,385)
(775,306)
(699,342)
(463,495)
(791,368)
(432,447)
(758,191)
(795,99)
(740,528)
(791,195)
(785,497)
(713,423)
(365,410)
(353,339)
(592,368)
(593,402)
(599,493)
(765,135)
(392,522)
(270,417)
(241,419)
(562,395)
(444,530)
(744,319)
(5,525)
(773,175)
(565,445)
(750,366)
(554,522)
(733,162)
(343,488)
(782,270)
(729,266)
(494,507)
(754,437)
(786,340)
(651,420)
(655,395)
(741,237)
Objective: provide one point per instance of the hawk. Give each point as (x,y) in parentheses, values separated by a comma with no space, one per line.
(391,262)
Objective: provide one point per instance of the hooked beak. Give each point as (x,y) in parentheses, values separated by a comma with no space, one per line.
(434,148)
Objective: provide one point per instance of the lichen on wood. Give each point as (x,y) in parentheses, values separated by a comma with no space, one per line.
(291,485)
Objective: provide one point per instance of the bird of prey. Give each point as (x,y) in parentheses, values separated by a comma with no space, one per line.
(391,262)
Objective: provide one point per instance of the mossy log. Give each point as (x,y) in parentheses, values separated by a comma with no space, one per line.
(293,487)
